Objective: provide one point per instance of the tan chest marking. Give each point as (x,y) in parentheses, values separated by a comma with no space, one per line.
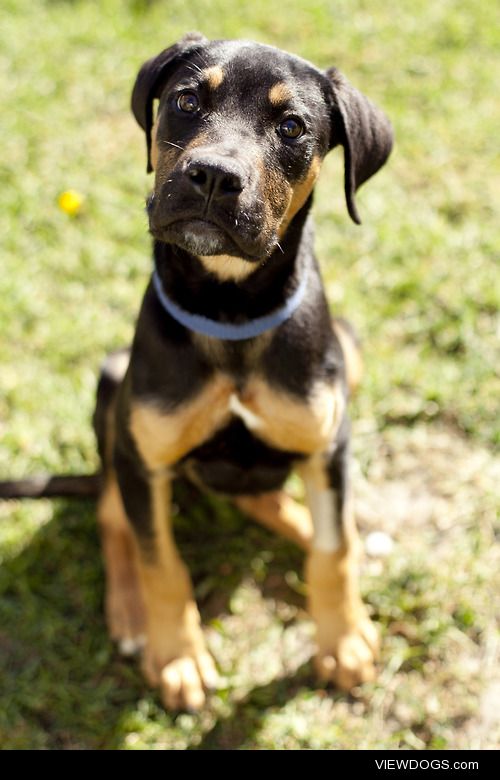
(278,419)
(287,423)
(163,439)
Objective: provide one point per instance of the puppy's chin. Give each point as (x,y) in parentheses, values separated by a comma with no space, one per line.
(200,237)
(203,238)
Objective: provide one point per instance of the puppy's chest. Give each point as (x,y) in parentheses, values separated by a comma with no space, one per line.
(270,415)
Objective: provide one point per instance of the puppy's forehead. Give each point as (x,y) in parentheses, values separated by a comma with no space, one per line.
(241,66)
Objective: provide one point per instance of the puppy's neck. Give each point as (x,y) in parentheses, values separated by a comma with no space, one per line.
(190,282)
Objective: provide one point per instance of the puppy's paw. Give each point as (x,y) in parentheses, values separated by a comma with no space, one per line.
(183,680)
(347,654)
(347,639)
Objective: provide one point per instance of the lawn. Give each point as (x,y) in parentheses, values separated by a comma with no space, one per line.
(418,280)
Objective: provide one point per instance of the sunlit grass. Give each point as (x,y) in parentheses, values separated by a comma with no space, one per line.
(418,280)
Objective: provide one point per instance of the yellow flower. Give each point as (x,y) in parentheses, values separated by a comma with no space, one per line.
(70,202)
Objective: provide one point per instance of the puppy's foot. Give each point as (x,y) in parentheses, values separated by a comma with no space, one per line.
(183,680)
(347,654)
(347,639)
(176,659)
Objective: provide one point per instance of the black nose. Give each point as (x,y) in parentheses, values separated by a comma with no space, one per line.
(214,178)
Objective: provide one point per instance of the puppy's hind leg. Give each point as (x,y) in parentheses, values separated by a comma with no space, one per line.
(124,603)
(125,615)
(280,513)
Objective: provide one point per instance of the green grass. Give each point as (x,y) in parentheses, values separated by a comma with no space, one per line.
(418,280)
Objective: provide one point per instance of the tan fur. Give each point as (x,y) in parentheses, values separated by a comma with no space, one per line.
(162,438)
(289,423)
(300,193)
(280,513)
(283,200)
(154,145)
(175,657)
(347,639)
(276,417)
(214,76)
(352,356)
(124,602)
(279,94)
(277,193)
(227,267)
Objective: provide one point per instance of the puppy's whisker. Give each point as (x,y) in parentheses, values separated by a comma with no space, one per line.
(171,143)
(191,65)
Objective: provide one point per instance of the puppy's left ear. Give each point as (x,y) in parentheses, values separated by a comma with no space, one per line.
(151,80)
(363,130)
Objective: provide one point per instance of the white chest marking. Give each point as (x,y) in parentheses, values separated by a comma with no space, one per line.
(251,420)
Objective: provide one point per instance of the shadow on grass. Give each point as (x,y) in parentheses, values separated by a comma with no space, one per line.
(64,684)
(241,727)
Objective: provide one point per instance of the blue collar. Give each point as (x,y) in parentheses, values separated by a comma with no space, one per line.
(225,330)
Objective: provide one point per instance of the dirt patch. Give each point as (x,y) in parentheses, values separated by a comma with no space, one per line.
(407,478)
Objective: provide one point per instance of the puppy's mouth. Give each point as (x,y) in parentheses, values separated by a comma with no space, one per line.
(203,237)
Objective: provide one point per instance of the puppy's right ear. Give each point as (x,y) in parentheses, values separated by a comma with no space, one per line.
(151,80)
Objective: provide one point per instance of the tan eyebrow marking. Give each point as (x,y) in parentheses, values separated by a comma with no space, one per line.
(279,93)
(214,76)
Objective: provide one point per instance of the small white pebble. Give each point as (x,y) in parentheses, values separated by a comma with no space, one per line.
(378,544)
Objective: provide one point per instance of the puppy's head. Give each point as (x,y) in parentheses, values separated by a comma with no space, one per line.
(238,140)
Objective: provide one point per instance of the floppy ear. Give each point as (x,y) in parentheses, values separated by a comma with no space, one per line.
(363,130)
(151,80)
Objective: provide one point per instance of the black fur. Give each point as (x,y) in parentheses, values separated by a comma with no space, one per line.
(235,462)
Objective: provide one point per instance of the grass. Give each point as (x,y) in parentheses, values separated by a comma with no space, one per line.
(418,280)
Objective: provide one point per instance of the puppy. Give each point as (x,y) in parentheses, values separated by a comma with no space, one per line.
(237,374)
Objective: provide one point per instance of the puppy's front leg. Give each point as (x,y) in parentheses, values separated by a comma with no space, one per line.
(175,656)
(347,639)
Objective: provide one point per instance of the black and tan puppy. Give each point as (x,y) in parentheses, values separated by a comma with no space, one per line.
(236,374)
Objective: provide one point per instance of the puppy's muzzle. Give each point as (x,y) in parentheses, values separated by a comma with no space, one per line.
(211,204)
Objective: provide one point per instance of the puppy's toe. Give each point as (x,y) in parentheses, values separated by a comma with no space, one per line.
(349,658)
(184,681)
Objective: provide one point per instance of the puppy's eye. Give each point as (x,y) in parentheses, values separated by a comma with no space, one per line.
(291,128)
(188,102)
